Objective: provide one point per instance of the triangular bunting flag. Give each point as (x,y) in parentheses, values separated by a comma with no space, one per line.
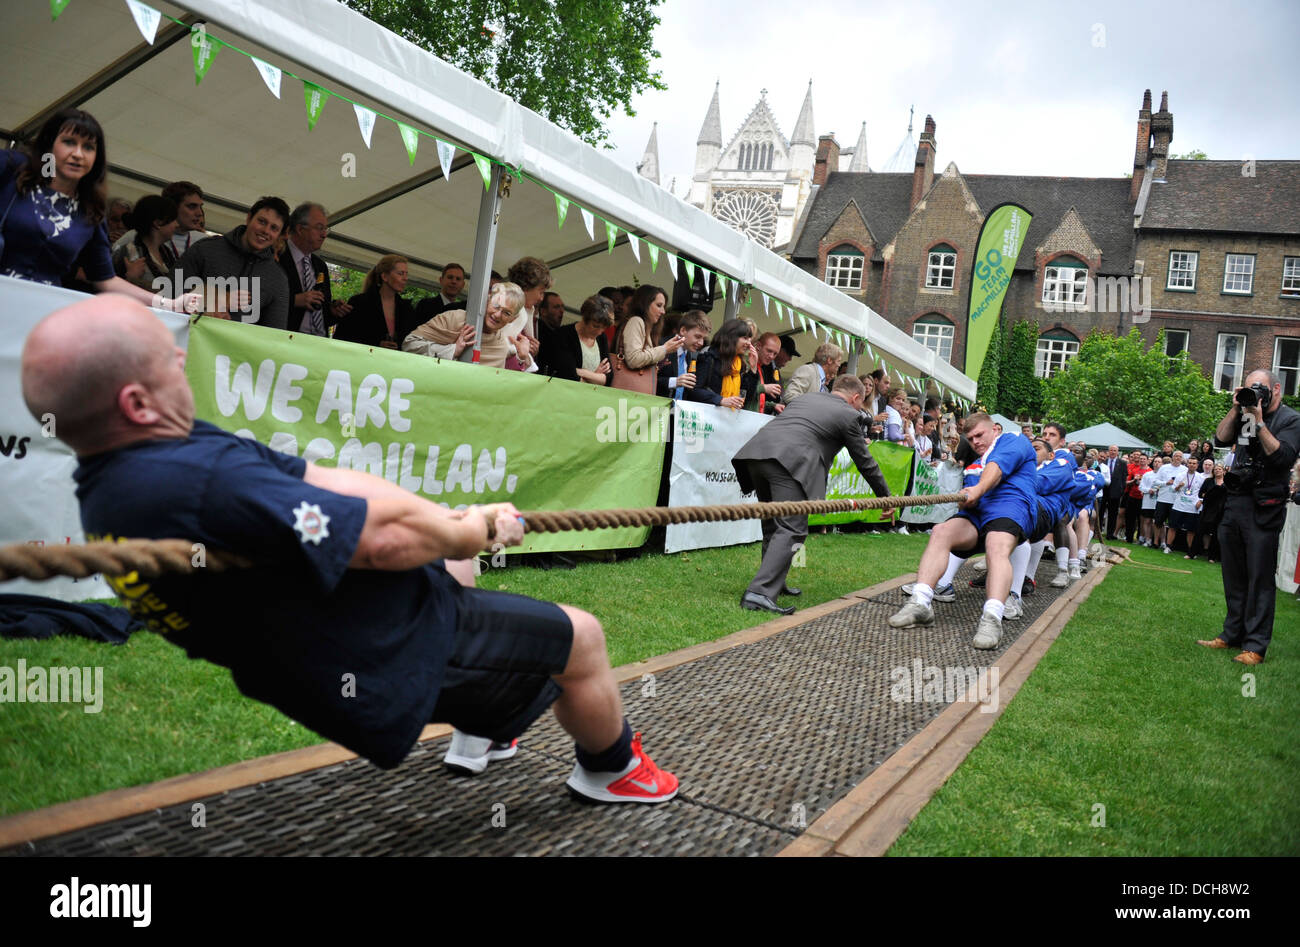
(722,287)
(315,98)
(484,169)
(271,75)
(611,234)
(365,122)
(780,312)
(411,139)
(589,219)
(146,18)
(446,152)
(56,7)
(690,272)
(204,49)
(767,300)
(672,265)
(654,256)
(635,243)
(561,209)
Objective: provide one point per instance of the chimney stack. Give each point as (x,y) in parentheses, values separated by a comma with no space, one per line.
(923,173)
(1162,133)
(1141,153)
(828,159)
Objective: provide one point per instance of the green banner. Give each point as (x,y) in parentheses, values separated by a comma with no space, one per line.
(995,258)
(450,432)
(845,483)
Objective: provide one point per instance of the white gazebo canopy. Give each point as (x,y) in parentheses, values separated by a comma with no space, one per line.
(238,141)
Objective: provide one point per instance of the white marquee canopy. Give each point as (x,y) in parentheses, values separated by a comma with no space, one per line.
(233,137)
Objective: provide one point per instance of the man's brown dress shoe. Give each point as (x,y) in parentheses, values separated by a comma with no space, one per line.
(1213,643)
(1249,657)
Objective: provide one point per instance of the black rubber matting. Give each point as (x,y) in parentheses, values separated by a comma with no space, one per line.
(764,737)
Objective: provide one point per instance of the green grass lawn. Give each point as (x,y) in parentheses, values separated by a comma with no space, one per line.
(165,715)
(1126,712)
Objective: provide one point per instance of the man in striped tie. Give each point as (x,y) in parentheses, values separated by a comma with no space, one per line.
(312,308)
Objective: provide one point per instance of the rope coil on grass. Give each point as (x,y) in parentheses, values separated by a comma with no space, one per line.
(153,557)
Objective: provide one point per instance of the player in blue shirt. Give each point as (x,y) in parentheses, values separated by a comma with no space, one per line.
(998,512)
(355,619)
(1067,553)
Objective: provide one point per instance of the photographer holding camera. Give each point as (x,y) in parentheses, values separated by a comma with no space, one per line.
(1266,436)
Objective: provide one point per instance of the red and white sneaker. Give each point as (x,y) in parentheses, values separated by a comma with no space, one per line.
(642,781)
(471,755)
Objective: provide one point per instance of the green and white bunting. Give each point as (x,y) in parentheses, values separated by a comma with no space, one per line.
(484,169)
(611,234)
(634,242)
(365,122)
(561,209)
(57,7)
(446,154)
(271,75)
(204,48)
(654,256)
(411,139)
(146,20)
(315,97)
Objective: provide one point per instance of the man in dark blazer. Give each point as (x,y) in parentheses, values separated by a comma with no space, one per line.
(789,459)
(450,286)
(1113,495)
(312,309)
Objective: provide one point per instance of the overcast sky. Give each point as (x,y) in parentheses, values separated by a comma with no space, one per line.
(1016,88)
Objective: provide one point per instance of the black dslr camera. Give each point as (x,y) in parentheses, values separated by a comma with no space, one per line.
(1255,394)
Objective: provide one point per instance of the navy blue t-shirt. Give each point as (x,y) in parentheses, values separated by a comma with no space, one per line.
(1014,498)
(356,655)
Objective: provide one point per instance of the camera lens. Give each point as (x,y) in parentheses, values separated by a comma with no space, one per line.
(1247,397)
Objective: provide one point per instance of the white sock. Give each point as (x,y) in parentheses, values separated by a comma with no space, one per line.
(1062,555)
(1019,563)
(1035,557)
(1074,565)
(995,608)
(922,594)
(954,563)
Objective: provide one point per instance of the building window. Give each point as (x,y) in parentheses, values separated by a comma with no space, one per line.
(1054,350)
(1228,362)
(1175,342)
(1238,273)
(1065,284)
(941,271)
(844,268)
(935,333)
(1182,270)
(1291,276)
(1286,364)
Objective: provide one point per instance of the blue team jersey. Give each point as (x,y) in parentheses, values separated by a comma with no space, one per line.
(357,655)
(1054,483)
(1084,490)
(1014,497)
(1068,456)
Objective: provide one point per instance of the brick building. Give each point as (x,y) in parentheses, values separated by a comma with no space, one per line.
(902,244)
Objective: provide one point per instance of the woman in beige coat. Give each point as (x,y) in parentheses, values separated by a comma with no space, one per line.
(637,334)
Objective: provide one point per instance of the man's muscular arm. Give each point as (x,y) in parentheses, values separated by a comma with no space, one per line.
(403,531)
(989,479)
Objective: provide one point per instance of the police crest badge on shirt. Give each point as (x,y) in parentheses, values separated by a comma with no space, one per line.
(311,524)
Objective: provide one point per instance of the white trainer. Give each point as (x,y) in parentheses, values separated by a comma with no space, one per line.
(987,633)
(1061,581)
(1075,573)
(1013,610)
(471,755)
(912,614)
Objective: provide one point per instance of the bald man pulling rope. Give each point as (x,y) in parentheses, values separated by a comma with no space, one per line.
(359,620)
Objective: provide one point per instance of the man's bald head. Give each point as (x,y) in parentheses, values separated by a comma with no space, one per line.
(107,370)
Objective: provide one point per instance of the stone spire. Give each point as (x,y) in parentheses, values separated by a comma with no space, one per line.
(859,160)
(803,143)
(649,166)
(708,147)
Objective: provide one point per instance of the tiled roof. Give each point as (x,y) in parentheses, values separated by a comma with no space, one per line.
(1216,196)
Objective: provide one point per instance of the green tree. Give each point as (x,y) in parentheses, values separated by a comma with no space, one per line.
(1020,390)
(571,61)
(1194,155)
(987,391)
(1140,390)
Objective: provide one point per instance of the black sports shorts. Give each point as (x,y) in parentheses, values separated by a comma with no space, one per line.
(1002,524)
(498,677)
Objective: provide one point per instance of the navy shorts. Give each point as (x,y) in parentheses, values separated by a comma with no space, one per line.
(498,677)
(1002,524)
(1162,512)
(1184,522)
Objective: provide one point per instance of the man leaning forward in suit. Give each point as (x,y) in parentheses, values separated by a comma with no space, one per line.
(788,460)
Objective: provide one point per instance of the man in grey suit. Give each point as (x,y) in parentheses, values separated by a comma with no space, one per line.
(788,460)
(817,375)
